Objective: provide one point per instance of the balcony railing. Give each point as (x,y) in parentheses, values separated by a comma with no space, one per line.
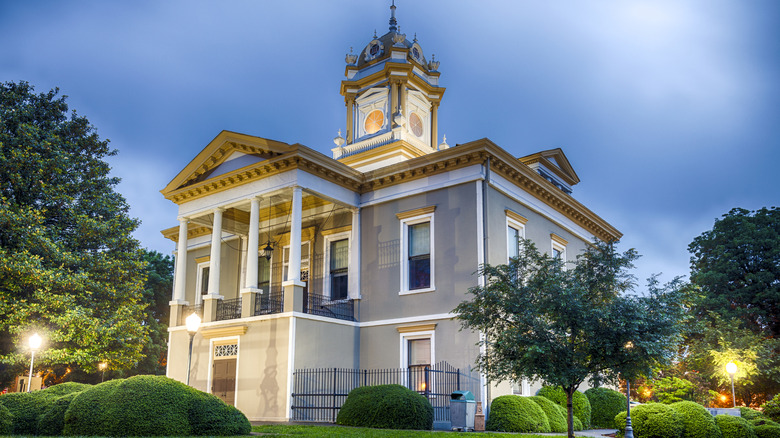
(316,304)
(228,309)
(189,310)
(269,303)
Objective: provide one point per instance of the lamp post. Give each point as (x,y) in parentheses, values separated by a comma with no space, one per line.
(102,366)
(193,323)
(731,368)
(629,430)
(35,343)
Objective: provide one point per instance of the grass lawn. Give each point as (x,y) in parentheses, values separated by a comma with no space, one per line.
(340,431)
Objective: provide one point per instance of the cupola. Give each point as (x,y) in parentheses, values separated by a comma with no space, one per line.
(392,95)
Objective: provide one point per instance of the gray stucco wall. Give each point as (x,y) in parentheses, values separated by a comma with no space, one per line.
(454,258)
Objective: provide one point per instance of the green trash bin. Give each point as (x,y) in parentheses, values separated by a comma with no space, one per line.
(463,408)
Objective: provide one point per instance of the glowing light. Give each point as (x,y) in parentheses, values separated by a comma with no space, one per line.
(35,341)
(731,368)
(723,398)
(193,323)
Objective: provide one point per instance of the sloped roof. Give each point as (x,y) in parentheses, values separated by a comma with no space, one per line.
(555,161)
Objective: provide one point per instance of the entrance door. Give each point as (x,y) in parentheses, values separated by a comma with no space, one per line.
(223,382)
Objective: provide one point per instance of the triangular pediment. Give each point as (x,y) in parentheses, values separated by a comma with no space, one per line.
(228,152)
(555,161)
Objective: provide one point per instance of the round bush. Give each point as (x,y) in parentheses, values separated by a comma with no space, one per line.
(697,420)
(577,424)
(513,413)
(151,405)
(605,403)
(762,421)
(772,408)
(767,431)
(652,420)
(65,389)
(734,427)
(556,415)
(52,420)
(580,403)
(386,407)
(6,421)
(749,414)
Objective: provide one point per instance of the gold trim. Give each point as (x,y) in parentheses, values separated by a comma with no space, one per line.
(416,212)
(417,328)
(336,230)
(192,232)
(236,330)
(202,259)
(516,216)
(558,239)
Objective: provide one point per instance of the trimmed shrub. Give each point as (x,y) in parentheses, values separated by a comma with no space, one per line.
(6,421)
(66,388)
(697,421)
(761,421)
(28,407)
(577,424)
(513,413)
(734,427)
(772,408)
(605,403)
(556,415)
(51,421)
(767,431)
(580,403)
(386,407)
(749,414)
(151,405)
(652,420)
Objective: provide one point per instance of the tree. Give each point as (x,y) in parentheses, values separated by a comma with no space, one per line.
(562,326)
(69,268)
(737,267)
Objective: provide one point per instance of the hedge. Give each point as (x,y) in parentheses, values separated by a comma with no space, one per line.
(734,427)
(749,414)
(697,420)
(580,403)
(28,407)
(655,420)
(605,403)
(772,408)
(767,431)
(762,421)
(151,405)
(52,420)
(514,413)
(6,421)
(556,415)
(386,407)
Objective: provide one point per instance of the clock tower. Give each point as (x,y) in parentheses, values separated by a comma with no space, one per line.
(392,95)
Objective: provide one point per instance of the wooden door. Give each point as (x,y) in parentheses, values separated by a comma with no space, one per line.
(223,381)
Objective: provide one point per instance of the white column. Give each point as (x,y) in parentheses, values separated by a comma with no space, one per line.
(216,252)
(354,256)
(181,261)
(294,267)
(250,282)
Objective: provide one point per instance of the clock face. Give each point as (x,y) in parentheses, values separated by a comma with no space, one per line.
(374,49)
(374,121)
(416,53)
(416,124)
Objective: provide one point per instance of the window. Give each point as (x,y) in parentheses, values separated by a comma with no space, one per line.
(264,281)
(339,269)
(304,261)
(202,281)
(558,248)
(417,255)
(417,354)
(522,387)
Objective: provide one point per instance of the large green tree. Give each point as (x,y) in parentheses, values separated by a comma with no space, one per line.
(69,267)
(737,267)
(565,324)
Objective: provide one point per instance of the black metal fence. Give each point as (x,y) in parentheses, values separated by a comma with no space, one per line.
(268,303)
(316,304)
(228,309)
(319,393)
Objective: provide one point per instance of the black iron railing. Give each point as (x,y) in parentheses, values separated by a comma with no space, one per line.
(316,304)
(228,309)
(189,310)
(319,393)
(269,303)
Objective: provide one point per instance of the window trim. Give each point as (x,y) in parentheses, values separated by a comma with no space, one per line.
(558,243)
(404,339)
(199,280)
(524,387)
(287,263)
(519,226)
(405,223)
(326,277)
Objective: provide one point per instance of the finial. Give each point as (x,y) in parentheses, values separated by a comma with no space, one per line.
(339,140)
(351,58)
(443,145)
(393,22)
(374,33)
(415,37)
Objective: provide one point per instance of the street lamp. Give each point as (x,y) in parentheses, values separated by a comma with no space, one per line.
(35,343)
(731,368)
(629,430)
(193,323)
(102,366)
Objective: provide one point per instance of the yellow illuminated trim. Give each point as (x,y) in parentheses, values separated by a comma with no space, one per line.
(558,239)
(516,217)
(336,230)
(416,212)
(223,331)
(417,328)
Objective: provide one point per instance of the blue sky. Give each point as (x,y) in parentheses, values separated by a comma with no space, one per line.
(668,110)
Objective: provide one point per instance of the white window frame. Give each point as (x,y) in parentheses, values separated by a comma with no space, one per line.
(326,265)
(556,245)
(405,223)
(521,388)
(517,226)
(287,263)
(199,279)
(410,336)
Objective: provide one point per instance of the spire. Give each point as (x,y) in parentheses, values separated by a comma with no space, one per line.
(393,22)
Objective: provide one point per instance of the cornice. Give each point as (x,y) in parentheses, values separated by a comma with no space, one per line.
(385,73)
(192,232)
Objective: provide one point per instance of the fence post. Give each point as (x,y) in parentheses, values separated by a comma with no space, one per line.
(334,395)
(427,382)
(458,379)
